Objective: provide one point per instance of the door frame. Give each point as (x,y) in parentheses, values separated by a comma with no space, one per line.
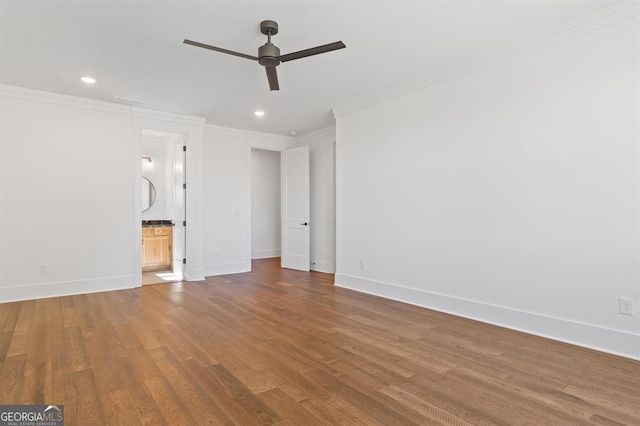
(174,140)
(251,192)
(192,128)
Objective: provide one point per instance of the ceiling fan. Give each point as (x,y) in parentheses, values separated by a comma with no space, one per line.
(269,54)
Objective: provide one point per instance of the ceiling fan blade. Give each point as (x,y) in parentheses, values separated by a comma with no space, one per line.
(272,76)
(219,49)
(313,51)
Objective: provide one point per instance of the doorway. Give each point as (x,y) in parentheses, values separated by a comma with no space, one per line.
(265,204)
(163,207)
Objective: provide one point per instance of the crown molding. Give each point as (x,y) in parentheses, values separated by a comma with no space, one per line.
(33,95)
(154,114)
(326,132)
(229,131)
(267,137)
(248,135)
(64,100)
(611,15)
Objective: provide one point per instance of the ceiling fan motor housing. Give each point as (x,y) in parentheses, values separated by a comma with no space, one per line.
(268,55)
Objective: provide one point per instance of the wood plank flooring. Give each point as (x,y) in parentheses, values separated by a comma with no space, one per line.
(158,277)
(284,347)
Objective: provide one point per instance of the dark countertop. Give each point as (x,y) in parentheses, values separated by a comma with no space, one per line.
(156,223)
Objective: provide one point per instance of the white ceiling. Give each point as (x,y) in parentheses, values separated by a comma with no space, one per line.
(134,49)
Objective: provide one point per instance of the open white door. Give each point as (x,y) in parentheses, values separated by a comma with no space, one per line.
(294,169)
(179,230)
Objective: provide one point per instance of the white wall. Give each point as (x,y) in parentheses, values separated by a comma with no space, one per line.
(322,223)
(509,194)
(227,196)
(67,209)
(73,205)
(228,183)
(265,204)
(63,204)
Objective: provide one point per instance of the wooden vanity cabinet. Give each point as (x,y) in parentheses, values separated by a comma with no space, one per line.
(156,248)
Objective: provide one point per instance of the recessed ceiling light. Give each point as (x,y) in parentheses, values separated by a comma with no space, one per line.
(258,113)
(293,133)
(88,80)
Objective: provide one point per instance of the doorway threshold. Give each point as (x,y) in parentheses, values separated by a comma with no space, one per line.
(159,277)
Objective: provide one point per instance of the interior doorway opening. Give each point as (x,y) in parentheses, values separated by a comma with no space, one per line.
(163,207)
(265,204)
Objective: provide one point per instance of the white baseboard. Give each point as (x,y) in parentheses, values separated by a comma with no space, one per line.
(66,288)
(227,268)
(265,254)
(603,339)
(195,274)
(320,266)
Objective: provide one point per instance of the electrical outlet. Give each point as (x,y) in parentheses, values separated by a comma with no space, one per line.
(43,269)
(626,306)
(362,264)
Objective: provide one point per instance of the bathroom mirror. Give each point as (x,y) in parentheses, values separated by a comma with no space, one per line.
(148,194)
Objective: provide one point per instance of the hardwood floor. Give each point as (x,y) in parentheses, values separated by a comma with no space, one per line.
(159,277)
(284,347)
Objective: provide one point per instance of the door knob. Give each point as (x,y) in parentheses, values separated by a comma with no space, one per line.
(304,224)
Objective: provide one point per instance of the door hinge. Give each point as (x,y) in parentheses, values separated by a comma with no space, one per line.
(184,186)
(184,148)
(184,261)
(184,223)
